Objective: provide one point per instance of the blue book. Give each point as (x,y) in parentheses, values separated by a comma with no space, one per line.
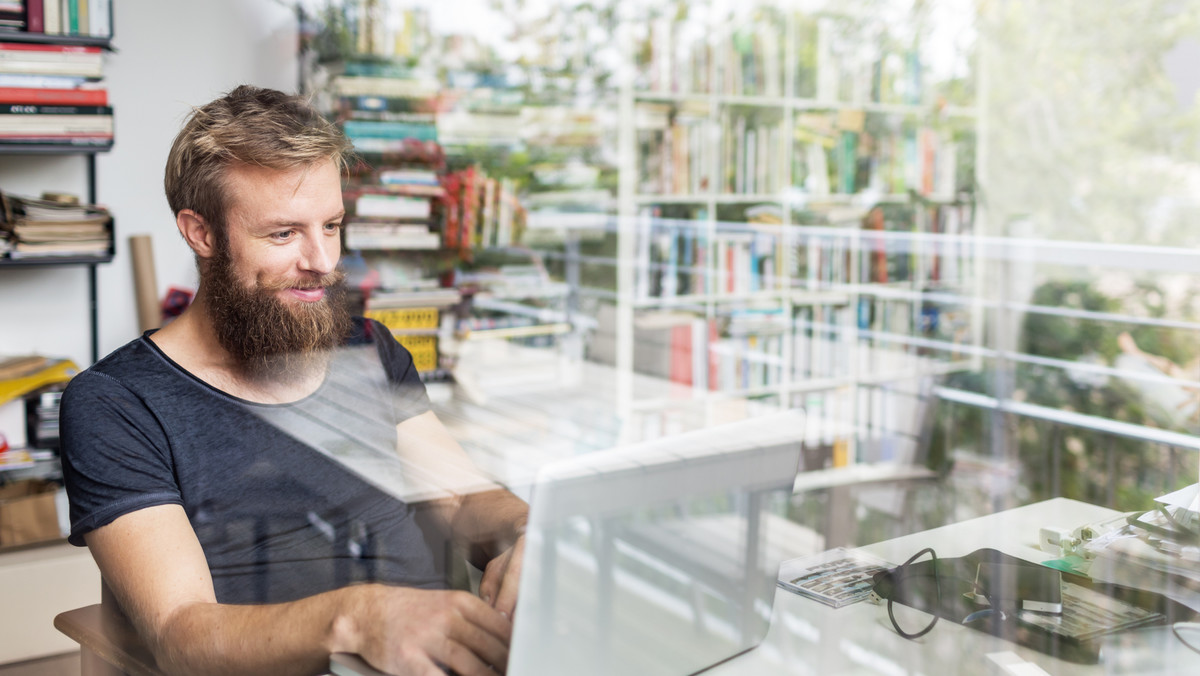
(389,130)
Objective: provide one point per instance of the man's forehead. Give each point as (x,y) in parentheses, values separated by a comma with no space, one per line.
(253,187)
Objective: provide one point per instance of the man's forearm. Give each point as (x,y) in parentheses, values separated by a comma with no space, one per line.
(292,638)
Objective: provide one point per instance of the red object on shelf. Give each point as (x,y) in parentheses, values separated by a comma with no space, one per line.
(68,97)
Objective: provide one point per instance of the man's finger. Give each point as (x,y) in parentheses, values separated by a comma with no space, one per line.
(474,651)
(506,595)
(485,618)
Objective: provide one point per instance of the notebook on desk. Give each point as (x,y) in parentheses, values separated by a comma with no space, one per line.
(652,559)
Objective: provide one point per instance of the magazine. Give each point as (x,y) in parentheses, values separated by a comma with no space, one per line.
(836,578)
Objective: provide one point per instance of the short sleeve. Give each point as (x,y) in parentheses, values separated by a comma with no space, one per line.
(116,457)
(409,398)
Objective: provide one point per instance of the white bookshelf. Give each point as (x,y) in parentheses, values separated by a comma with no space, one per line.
(801,288)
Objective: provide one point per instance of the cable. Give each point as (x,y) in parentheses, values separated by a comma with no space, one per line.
(1191,626)
(937,584)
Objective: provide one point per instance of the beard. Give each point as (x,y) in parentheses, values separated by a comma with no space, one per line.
(271,340)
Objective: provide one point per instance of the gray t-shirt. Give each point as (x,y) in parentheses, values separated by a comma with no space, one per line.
(287,500)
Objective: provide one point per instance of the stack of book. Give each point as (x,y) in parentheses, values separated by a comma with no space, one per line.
(12,16)
(40,228)
(48,96)
(384,206)
(58,17)
(414,317)
(382,105)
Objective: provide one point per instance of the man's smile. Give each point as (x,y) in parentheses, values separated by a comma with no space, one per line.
(308,295)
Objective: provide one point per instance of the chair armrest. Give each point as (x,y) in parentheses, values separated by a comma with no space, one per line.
(110,637)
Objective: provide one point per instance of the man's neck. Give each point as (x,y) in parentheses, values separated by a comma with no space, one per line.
(191,342)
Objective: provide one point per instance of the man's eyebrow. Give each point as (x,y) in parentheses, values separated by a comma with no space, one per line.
(285,223)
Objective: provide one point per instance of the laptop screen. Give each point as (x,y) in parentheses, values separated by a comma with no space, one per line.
(652,559)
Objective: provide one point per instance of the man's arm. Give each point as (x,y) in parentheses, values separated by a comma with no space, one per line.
(487,518)
(157,569)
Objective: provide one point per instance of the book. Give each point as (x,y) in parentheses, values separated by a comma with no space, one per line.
(100,18)
(31,81)
(837,577)
(20,57)
(53,371)
(383,236)
(35,16)
(89,141)
(52,17)
(363,129)
(96,247)
(35,109)
(31,209)
(50,124)
(345,85)
(392,206)
(20,366)
(67,97)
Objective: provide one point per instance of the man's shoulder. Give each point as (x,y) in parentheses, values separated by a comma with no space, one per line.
(128,365)
(363,331)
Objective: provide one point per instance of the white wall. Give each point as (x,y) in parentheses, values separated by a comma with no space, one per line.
(171,55)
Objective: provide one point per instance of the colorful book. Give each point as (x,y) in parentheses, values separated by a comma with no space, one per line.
(35,16)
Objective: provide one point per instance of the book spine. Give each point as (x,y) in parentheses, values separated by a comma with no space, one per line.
(52,17)
(60,49)
(73,17)
(35,17)
(85,27)
(101,17)
(34,109)
(68,97)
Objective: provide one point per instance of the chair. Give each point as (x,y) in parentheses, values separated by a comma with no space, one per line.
(108,643)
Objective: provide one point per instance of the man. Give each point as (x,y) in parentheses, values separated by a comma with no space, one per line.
(227,472)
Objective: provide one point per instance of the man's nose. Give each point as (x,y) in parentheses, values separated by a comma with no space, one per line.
(320,254)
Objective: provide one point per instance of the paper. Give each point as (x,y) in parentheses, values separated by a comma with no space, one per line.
(836,578)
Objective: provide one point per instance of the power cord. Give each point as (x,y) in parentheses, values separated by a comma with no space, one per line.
(937,585)
(1186,626)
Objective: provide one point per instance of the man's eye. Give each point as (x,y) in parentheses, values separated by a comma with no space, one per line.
(282,236)
(333,227)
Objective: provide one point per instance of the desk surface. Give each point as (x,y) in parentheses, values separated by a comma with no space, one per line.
(807,637)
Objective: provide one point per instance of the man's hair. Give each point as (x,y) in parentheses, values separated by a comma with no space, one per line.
(249,125)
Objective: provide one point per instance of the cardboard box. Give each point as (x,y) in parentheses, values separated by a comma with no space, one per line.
(28,513)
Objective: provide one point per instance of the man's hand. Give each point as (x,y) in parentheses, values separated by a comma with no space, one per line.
(500,578)
(416,632)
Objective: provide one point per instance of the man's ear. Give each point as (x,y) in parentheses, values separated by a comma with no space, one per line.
(196,232)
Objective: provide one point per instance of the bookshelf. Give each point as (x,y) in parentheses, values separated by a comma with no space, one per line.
(796,204)
(518,167)
(42,579)
(78,98)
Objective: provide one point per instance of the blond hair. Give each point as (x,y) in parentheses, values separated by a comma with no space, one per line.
(249,125)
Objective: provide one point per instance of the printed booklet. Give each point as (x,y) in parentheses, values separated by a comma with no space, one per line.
(836,578)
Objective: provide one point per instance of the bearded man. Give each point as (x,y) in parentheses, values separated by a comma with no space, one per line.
(262,482)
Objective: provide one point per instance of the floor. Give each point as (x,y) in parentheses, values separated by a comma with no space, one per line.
(59,665)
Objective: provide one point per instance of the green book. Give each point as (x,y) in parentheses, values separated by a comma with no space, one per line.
(847,161)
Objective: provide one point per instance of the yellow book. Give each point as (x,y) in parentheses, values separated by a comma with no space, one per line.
(59,371)
(405,318)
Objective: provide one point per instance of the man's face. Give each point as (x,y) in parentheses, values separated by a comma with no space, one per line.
(274,294)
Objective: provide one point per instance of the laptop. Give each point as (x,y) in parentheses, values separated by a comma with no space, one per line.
(652,558)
